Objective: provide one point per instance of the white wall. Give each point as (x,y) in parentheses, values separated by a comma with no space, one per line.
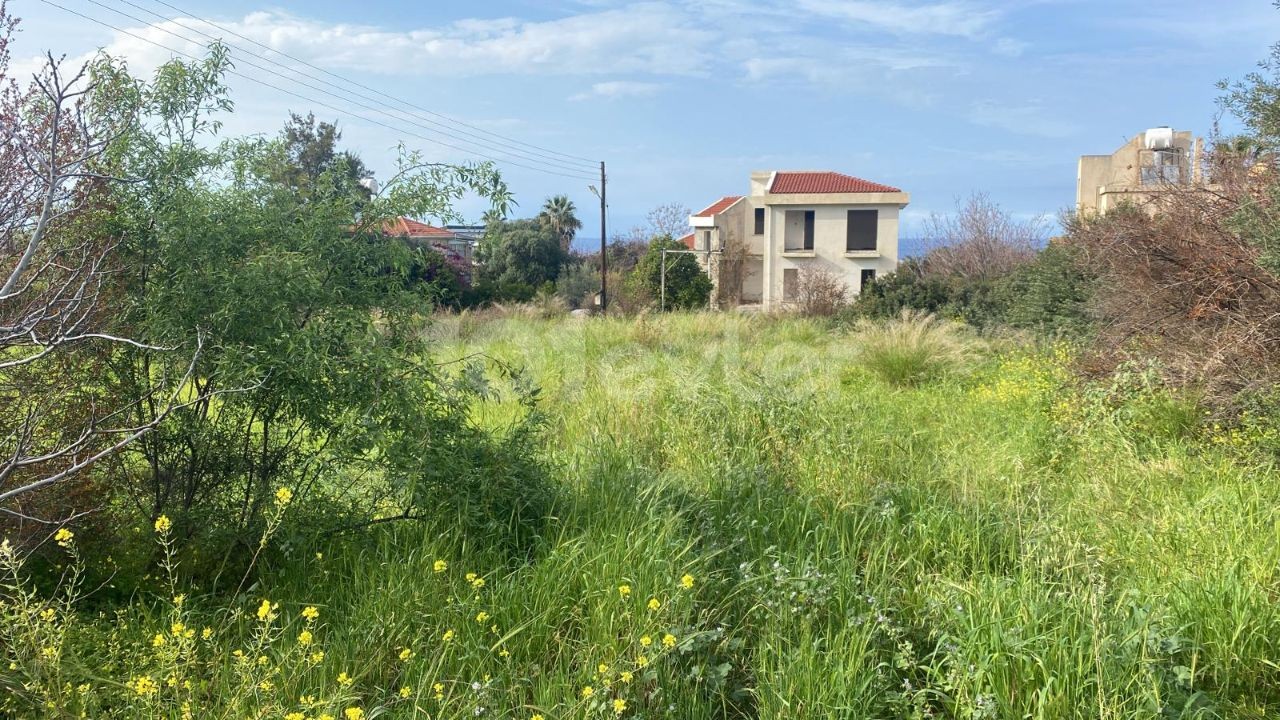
(829,241)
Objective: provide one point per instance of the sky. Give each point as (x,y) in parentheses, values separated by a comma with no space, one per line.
(683,99)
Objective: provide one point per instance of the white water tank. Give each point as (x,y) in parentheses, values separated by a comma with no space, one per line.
(1160,138)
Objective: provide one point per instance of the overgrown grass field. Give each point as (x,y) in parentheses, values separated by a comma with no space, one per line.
(760,517)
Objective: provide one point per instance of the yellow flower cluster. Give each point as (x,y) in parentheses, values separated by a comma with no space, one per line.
(143,685)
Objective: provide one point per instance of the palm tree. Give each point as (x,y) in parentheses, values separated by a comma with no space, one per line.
(560,216)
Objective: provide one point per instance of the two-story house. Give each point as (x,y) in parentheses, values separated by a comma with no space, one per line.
(798,222)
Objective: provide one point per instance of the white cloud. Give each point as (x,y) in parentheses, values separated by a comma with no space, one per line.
(961,19)
(1010,47)
(1030,119)
(645,38)
(619,89)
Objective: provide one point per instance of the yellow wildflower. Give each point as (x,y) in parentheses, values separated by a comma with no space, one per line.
(588,691)
(178,600)
(482,616)
(477,583)
(406,654)
(602,669)
(405,692)
(626,676)
(448,636)
(265,686)
(295,716)
(645,641)
(163,525)
(206,633)
(63,536)
(304,638)
(669,640)
(310,612)
(642,661)
(353,713)
(158,640)
(283,496)
(624,590)
(176,629)
(344,680)
(654,604)
(264,610)
(471,577)
(439,689)
(316,657)
(619,706)
(324,716)
(686,582)
(82,689)
(537,716)
(440,566)
(143,685)
(48,614)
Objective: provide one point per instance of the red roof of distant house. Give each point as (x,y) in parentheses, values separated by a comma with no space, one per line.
(825,182)
(719,206)
(404,227)
(688,241)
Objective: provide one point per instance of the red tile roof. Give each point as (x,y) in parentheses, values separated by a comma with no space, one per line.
(404,227)
(825,182)
(688,241)
(719,206)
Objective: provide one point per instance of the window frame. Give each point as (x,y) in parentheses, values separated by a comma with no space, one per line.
(851,244)
(759,221)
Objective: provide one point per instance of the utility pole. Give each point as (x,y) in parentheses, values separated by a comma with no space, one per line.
(604,261)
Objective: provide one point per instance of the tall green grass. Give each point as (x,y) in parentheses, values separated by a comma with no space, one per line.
(978,544)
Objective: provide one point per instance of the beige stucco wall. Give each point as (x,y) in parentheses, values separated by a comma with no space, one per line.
(753,280)
(1103,181)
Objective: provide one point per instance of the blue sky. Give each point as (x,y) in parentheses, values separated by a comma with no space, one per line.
(684,99)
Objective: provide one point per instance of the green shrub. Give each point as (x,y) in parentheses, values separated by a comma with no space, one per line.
(914,348)
(1050,295)
(687,287)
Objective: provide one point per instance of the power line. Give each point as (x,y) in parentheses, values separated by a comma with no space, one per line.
(323,91)
(313,100)
(349,81)
(535,155)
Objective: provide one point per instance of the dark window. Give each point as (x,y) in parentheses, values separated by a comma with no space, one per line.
(790,281)
(759,221)
(862,230)
(808,229)
(868,277)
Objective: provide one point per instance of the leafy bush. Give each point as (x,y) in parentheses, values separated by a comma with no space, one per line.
(1050,294)
(914,348)
(578,284)
(687,285)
